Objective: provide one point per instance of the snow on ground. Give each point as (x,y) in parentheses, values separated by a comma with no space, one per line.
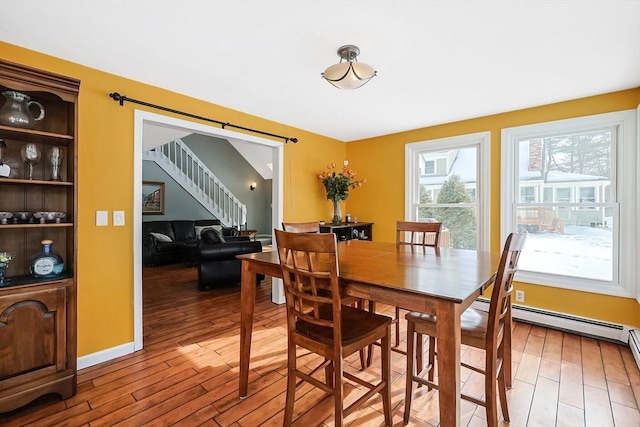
(580,251)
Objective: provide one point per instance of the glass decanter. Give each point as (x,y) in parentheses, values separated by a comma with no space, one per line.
(47,264)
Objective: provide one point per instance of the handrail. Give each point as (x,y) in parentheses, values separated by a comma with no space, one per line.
(177,159)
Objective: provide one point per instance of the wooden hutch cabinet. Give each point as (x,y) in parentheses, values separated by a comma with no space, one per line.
(38,348)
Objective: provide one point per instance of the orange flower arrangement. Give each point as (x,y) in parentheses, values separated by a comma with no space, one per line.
(337,184)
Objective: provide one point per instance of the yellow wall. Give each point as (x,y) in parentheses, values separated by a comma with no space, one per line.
(105,164)
(105,174)
(381,200)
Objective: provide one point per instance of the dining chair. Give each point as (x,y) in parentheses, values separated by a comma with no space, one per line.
(320,323)
(418,234)
(487,331)
(314,227)
(301,227)
(421,234)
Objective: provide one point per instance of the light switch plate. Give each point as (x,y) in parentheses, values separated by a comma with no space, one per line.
(102,218)
(118,218)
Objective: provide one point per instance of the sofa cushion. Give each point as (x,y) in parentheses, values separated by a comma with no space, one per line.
(200,228)
(160,237)
(173,247)
(213,236)
(184,230)
(163,227)
(230,232)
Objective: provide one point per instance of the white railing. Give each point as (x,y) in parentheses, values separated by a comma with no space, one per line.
(177,160)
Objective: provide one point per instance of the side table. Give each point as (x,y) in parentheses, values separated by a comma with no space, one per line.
(251,233)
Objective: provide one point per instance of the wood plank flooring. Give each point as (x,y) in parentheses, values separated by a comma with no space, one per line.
(187,374)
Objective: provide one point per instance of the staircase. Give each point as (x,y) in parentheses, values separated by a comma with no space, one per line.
(177,160)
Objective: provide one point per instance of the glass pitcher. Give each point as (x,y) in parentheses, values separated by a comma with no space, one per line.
(15,111)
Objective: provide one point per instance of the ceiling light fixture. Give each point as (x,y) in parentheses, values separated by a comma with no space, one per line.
(350,74)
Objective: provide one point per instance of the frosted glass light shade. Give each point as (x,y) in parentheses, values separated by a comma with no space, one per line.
(349,73)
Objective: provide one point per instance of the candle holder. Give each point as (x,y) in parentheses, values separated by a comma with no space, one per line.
(54,156)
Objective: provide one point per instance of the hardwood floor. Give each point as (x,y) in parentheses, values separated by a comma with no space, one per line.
(187,373)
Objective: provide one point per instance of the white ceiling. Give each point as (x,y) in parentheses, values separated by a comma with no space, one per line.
(437,61)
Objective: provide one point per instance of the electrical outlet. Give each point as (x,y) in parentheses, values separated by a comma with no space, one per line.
(520,296)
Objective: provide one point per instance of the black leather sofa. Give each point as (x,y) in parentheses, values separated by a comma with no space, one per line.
(217,262)
(167,242)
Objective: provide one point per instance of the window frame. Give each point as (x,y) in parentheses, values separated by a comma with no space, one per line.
(626,203)
(482,140)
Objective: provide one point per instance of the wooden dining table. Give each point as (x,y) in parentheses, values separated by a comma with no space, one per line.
(443,283)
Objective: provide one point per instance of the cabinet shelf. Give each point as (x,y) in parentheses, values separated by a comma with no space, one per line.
(15,281)
(19,181)
(45,225)
(30,135)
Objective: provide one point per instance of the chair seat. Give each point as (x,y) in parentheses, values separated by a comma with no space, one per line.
(473,325)
(356,324)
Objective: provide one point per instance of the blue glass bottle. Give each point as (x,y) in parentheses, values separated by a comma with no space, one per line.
(47,264)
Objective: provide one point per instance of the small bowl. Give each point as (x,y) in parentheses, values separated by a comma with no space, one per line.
(4,216)
(22,217)
(49,216)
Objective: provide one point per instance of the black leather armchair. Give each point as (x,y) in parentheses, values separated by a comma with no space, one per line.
(217,262)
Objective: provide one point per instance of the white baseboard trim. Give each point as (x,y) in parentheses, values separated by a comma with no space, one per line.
(105,355)
(566,322)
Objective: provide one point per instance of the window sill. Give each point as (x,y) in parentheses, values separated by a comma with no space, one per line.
(573,283)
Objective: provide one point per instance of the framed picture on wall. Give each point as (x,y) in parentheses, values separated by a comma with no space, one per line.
(152,198)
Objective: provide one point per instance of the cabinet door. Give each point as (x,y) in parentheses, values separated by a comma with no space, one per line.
(32,332)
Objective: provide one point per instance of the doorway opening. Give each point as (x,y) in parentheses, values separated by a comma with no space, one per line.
(152,130)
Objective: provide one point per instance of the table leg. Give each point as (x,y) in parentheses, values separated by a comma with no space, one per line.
(448,330)
(247,307)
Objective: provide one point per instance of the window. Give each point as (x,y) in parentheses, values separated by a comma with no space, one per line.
(457,193)
(586,243)
(563,195)
(527,194)
(434,163)
(587,194)
(430,167)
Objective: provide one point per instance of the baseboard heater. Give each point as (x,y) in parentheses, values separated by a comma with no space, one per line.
(566,322)
(634,344)
(620,334)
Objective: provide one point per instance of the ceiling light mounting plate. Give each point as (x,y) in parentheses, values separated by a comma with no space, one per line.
(348,52)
